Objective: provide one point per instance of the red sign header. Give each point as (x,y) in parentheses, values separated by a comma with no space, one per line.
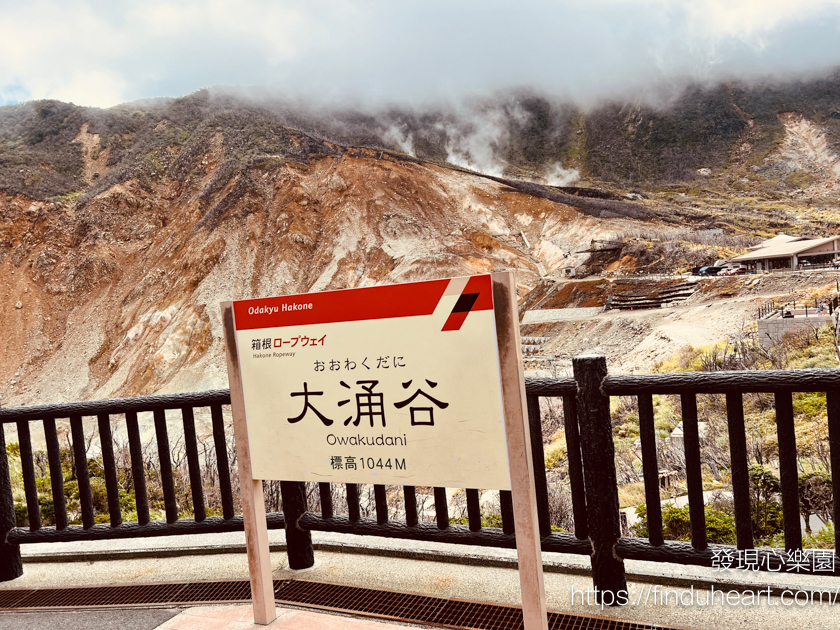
(381,302)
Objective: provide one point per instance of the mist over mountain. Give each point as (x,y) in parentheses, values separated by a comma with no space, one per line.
(520,133)
(378,52)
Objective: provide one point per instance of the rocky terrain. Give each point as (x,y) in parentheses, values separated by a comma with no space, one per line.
(121,230)
(635,341)
(119,296)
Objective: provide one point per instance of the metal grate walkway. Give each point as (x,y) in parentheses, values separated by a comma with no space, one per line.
(404,607)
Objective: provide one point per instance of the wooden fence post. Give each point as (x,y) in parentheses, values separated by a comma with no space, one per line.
(11,566)
(298,540)
(600,479)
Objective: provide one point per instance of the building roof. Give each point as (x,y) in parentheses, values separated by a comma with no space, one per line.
(781,237)
(679,433)
(784,249)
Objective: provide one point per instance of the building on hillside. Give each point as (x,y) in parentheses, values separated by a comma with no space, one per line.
(780,238)
(783,252)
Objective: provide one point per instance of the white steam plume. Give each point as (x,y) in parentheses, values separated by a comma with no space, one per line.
(405,141)
(475,144)
(559,176)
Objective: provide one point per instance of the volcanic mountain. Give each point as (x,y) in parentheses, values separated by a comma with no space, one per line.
(116,291)
(121,230)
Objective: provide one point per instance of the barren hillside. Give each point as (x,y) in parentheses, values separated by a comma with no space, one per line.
(119,295)
(121,230)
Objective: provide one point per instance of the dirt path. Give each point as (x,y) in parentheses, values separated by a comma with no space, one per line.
(634,341)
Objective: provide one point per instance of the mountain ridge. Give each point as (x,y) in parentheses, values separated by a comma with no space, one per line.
(121,230)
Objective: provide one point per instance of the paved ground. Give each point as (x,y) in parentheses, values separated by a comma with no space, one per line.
(134,619)
(227,617)
(240,618)
(428,568)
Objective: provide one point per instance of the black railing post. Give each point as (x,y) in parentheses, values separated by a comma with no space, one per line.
(441,508)
(138,471)
(33,507)
(789,476)
(11,566)
(222,461)
(600,478)
(353,510)
(381,502)
(191,446)
(474,509)
(298,540)
(575,467)
(740,469)
(325,493)
(410,496)
(167,481)
(650,469)
(693,471)
(538,457)
(506,506)
(112,487)
(77,430)
(56,474)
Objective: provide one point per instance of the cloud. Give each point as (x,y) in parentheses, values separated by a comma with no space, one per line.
(377,51)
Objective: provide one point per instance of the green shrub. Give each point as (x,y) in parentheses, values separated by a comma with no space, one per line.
(720,527)
(555,453)
(676,524)
(21,515)
(765,509)
(815,497)
(823,539)
(488,519)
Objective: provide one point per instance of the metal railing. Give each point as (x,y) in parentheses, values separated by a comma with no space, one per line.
(591,472)
(767,309)
(802,307)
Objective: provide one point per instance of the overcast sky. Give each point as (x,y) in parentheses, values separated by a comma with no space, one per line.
(406,51)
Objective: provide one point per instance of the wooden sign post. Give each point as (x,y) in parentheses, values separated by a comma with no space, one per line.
(520,464)
(250,489)
(435,371)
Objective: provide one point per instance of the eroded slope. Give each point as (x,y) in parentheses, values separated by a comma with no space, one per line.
(119,295)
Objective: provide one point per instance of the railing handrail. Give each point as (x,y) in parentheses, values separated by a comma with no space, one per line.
(589,435)
(723,382)
(115,405)
(540,386)
(805,380)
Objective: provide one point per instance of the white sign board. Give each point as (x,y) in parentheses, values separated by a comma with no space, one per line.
(395,384)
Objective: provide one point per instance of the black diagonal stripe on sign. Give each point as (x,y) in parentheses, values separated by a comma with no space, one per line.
(465,303)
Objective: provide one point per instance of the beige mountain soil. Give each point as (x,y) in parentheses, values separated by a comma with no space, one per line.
(94,156)
(807,153)
(635,341)
(120,296)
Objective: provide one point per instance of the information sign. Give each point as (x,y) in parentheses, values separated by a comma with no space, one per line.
(395,384)
(411,384)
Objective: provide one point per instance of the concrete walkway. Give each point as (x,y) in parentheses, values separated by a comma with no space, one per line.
(225,617)
(441,570)
(241,618)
